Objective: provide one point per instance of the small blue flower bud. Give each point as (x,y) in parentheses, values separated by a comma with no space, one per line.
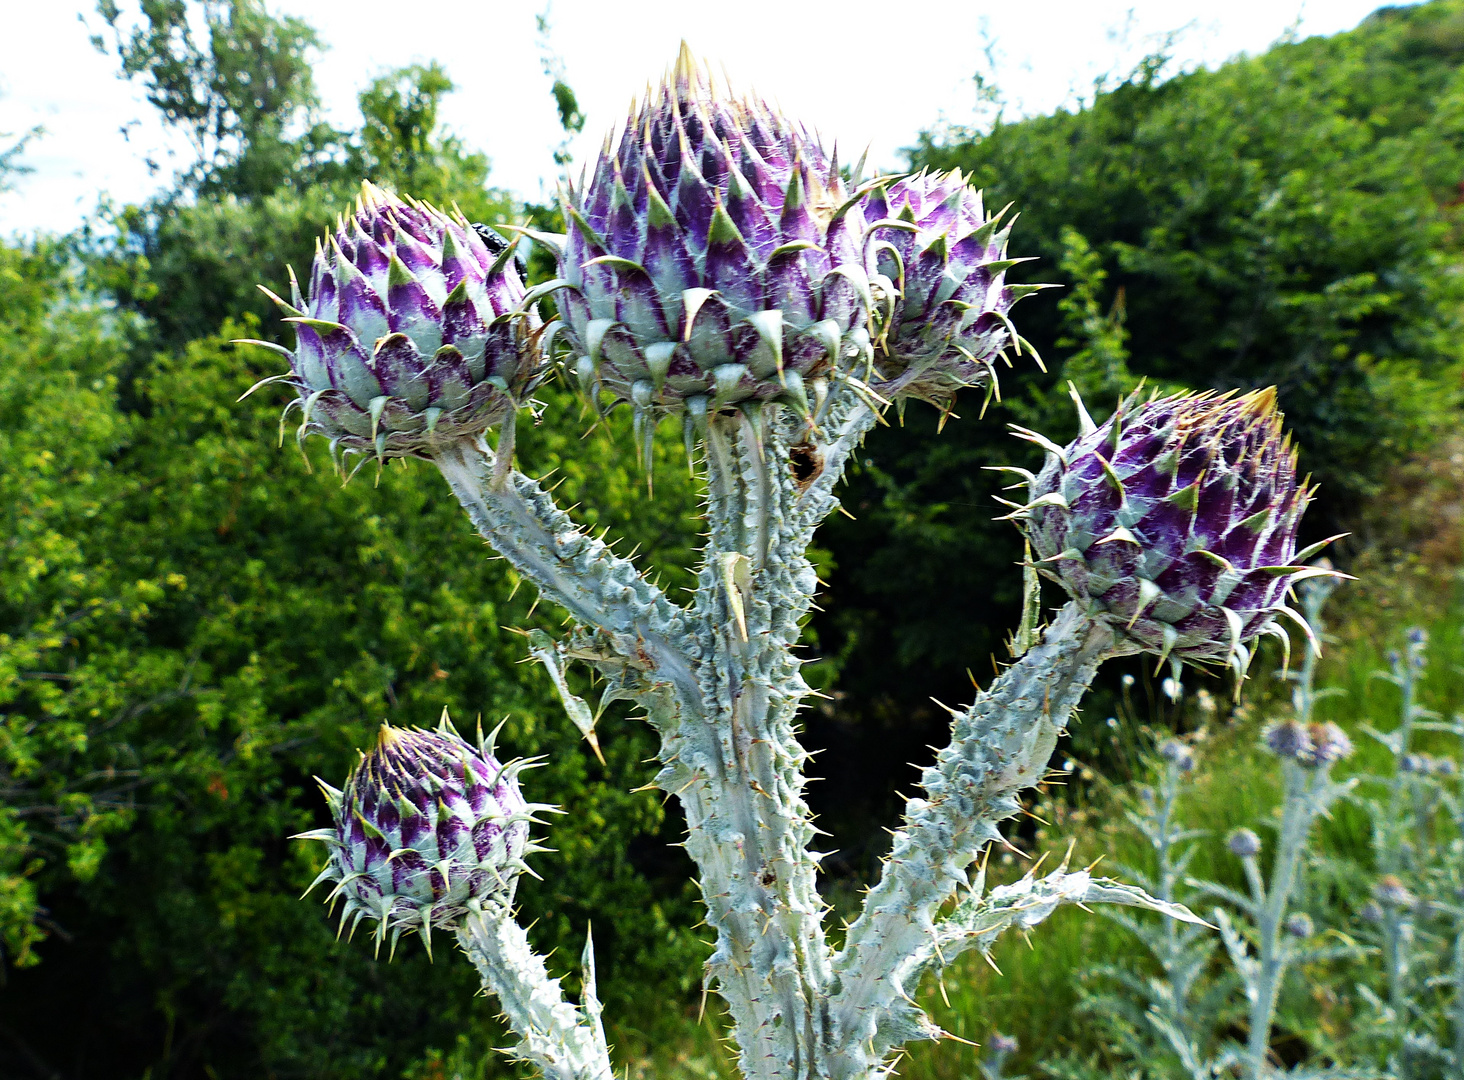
(1244,844)
(1299,925)
(1288,740)
(1391,892)
(1177,754)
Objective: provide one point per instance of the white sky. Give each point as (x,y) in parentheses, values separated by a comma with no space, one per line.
(863,74)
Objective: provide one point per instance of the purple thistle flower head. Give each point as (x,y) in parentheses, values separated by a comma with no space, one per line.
(713,259)
(1175,522)
(943,260)
(1289,740)
(1177,754)
(412,331)
(1243,844)
(1392,893)
(427,827)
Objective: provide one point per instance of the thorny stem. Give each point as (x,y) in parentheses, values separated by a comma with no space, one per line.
(999,746)
(720,683)
(1168,877)
(563,1042)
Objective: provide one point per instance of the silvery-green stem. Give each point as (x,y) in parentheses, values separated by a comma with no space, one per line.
(562,1041)
(1168,873)
(1391,855)
(1299,809)
(600,589)
(999,746)
(1458,1005)
(1397,936)
(734,760)
(720,683)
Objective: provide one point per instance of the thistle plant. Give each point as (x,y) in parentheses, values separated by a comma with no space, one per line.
(1410,807)
(1172,1015)
(1271,938)
(721,270)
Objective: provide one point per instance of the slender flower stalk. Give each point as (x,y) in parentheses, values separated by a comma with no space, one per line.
(1307,751)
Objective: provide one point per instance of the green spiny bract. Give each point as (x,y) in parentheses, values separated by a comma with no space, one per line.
(713,258)
(427,827)
(1175,522)
(947,321)
(413,331)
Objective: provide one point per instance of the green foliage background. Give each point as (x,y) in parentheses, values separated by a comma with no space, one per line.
(193,623)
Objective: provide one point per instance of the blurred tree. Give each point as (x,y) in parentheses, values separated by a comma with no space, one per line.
(269,176)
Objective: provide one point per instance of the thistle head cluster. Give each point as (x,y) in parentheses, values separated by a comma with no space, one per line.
(1175,523)
(1178,754)
(1313,746)
(412,330)
(1420,764)
(717,257)
(427,828)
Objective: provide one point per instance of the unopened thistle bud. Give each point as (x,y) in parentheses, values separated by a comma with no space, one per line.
(1244,844)
(412,330)
(427,828)
(1413,764)
(1175,522)
(1299,925)
(1177,754)
(1392,893)
(1289,740)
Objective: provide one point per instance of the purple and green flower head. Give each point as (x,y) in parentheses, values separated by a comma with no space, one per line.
(1175,523)
(427,828)
(412,331)
(712,259)
(943,259)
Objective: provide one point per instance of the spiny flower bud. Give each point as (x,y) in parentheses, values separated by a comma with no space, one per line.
(1177,754)
(1004,1044)
(1391,892)
(712,260)
(1289,740)
(1175,523)
(1299,925)
(413,331)
(1243,844)
(943,262)
(427,827)
(1417,764)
